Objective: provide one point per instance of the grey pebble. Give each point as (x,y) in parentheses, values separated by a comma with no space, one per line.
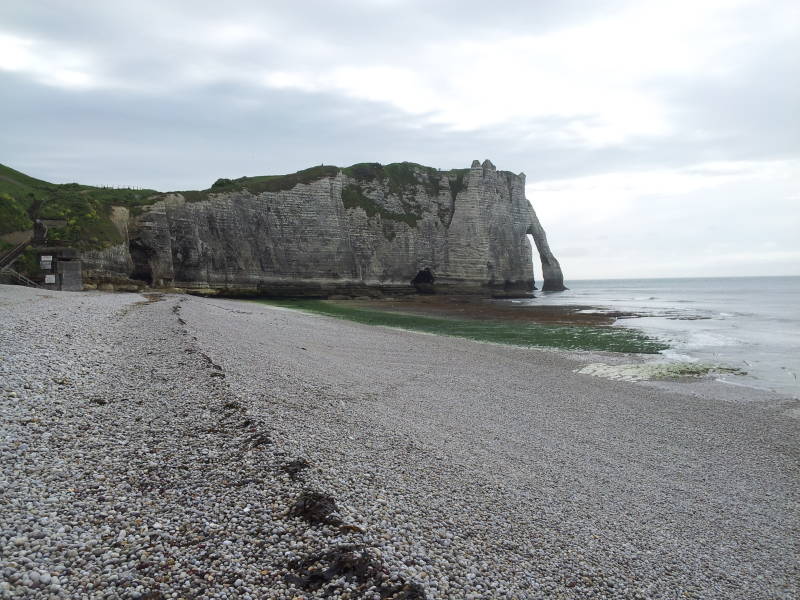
(470,470)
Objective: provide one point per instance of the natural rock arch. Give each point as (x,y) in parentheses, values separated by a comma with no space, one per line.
(553,279)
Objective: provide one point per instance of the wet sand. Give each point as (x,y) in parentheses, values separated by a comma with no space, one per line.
(486,309)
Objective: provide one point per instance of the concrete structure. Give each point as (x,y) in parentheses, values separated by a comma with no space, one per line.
(60,269)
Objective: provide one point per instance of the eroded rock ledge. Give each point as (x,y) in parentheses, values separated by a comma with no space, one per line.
(363,230)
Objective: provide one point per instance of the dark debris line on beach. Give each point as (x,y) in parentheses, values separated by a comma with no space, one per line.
(143,474)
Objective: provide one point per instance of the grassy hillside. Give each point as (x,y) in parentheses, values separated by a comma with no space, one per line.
(13,216)
(15,200)
(86,209)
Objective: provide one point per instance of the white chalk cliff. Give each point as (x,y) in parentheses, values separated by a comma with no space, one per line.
(329,230)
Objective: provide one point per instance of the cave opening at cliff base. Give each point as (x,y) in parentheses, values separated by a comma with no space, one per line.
(423,281)
(140,255)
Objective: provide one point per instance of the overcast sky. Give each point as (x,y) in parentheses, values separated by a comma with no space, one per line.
(658,138)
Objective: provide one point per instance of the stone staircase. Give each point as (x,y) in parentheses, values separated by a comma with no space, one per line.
(9,273)
(7,259)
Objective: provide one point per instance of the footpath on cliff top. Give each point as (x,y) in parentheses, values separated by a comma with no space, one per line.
(179,447)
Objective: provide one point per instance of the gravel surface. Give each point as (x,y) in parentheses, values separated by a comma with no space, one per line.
(177,447)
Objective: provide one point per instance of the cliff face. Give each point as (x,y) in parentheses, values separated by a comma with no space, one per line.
(346,231)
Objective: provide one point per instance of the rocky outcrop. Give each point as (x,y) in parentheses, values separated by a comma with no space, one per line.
(357,230)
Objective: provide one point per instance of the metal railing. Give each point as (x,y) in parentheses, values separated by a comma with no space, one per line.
(19,277)
(7,259)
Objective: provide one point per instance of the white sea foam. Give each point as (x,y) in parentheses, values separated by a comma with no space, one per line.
(673,355)
(748,322)
(650,371)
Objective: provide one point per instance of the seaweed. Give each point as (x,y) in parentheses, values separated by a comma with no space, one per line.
(354,564)
(315,508)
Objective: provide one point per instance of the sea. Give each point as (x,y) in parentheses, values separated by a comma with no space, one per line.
(749,323)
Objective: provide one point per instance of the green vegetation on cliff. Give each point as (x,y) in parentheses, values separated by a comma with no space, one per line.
(13,217)
(81,215)
(353,197)
(268,183)
(568,337)
(401,178)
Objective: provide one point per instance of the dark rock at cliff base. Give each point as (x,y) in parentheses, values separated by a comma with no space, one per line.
(356,231)
(554,287)
(423,281)
(423,277)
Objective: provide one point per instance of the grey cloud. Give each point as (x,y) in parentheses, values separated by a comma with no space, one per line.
(361,21)
(189,140)
(751,116)
(167,136)
(224,130)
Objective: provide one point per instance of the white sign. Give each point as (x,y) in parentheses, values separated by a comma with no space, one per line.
(46,258)
(49,278)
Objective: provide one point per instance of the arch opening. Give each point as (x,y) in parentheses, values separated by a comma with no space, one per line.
(534,253)
(552,278)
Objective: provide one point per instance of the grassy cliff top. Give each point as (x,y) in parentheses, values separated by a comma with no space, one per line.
(86,209)
(398,176)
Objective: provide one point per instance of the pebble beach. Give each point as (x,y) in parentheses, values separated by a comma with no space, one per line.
(166,446)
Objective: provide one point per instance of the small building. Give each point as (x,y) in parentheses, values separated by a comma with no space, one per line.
(60,269)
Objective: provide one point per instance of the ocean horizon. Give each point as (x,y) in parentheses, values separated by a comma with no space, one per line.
(751,323)
(692,277)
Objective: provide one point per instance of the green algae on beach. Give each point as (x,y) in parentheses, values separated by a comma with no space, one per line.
(567,337)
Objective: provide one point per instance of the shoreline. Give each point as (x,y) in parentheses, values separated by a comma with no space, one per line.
(559,327)
(457,469)
(678,365)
